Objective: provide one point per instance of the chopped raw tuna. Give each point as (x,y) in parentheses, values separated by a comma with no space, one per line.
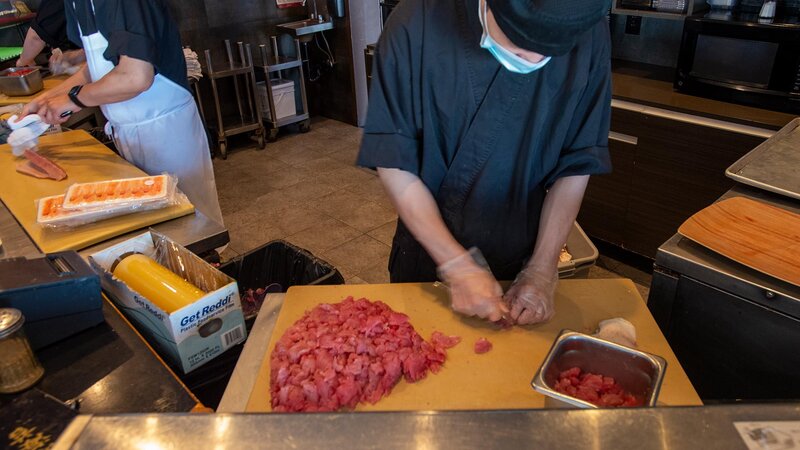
(482,345)
(339,355)
(441,340)
(597,389)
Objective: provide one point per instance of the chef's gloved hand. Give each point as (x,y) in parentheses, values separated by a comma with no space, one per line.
(473,289)
(61,63)
(531,295)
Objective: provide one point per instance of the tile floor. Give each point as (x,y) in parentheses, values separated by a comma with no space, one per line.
(305,189)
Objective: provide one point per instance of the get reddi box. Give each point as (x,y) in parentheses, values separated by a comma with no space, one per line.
(194,334)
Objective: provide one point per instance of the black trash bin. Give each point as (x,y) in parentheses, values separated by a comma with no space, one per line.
(281,265)
(275,263)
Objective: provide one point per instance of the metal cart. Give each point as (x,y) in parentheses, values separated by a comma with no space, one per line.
(276,64)
(249,120)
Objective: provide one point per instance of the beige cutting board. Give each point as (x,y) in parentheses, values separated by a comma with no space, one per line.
(501,378)
(760,236)
(84,159)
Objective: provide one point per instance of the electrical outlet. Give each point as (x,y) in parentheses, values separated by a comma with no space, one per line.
(633,25)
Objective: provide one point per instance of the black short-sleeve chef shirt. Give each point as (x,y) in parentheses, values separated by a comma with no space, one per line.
(140,29)
(51,24)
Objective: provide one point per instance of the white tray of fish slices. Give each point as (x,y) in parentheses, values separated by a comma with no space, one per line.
(51,213)
(110,193)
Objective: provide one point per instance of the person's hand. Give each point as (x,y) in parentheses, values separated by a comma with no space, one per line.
(531,295)
(65,62)
(473,289)
(33,106)
(53,108)
(56,62)
(23,63)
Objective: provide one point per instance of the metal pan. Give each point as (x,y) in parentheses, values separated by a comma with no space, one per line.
(773,165)
(636,371)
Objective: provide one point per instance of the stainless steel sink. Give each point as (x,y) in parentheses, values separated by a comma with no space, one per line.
(305,27)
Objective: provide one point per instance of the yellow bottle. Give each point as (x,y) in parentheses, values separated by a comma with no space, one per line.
(155,282)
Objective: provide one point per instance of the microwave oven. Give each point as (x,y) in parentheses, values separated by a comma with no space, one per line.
(740,58)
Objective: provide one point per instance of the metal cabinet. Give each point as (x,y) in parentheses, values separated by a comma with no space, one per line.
(735,331)
(667,166)
(730,347)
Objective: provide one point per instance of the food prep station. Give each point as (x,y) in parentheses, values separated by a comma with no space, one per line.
(121,391)
(114,371)
(109,367)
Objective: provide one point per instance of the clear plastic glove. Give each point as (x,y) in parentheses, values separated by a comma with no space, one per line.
(473,289)
(60,63)
(531,295)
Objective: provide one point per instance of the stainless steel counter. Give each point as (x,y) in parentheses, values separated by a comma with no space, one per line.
(708,428)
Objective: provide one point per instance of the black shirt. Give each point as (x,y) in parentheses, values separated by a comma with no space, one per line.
(485,141)
(140,29)
(51,24)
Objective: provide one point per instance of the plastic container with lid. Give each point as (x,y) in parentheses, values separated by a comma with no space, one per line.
(19,368)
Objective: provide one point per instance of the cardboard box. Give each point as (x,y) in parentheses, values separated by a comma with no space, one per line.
(192,335)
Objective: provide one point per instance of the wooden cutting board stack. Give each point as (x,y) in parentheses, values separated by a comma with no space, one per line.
(757,235)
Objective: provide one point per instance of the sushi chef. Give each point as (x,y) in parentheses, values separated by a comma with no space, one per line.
(136,73)
(48,29)
(486,119)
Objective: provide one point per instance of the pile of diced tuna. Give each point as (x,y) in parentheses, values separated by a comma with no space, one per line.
(338,355)
(597,389)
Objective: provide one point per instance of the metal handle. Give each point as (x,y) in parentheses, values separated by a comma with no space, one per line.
(229,52)
(692,119)
(624,138)
(263,49)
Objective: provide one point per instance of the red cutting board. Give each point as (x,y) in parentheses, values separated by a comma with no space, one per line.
(757,235)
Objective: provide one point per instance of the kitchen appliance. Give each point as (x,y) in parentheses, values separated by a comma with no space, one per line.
(637,372)
(636,4)
(59,294)
(733,328)
(737,57)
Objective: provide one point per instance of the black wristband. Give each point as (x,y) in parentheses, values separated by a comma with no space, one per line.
(73,95)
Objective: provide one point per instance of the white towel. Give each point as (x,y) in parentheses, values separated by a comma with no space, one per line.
(193,67)
(617,330)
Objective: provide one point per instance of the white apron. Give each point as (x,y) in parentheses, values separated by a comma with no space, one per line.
(159,131)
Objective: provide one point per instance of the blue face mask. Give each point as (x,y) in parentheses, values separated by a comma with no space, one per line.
(508,59)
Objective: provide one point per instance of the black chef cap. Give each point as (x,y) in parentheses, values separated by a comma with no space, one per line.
(547,27)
